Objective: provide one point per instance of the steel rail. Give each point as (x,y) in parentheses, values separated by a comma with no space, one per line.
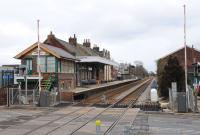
(143,87)
(55,120)
(129,106)
(109,107)
(87,112)
(107,92)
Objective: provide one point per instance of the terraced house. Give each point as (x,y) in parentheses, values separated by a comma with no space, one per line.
(65,65)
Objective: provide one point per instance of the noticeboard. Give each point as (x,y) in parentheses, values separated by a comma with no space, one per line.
(7,77)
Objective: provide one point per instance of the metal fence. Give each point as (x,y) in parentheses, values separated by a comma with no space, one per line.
(192,98)
(31,97)
(19,97)
(183,101)
(178,101)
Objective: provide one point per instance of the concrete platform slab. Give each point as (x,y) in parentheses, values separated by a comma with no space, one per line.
(104,85)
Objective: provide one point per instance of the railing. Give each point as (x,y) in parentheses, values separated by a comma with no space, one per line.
(30,97)
(179,99)
(20,97)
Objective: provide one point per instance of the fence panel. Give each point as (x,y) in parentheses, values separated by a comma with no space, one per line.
(3,96)
(18,96)
(191,100)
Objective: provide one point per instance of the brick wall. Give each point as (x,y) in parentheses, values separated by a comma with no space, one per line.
(66,96)
(68,79)
(34,67)
(180,54)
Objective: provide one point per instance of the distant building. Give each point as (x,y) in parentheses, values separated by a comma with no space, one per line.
(193,55)
(126,71)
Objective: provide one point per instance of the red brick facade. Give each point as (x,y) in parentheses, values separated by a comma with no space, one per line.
(192,56)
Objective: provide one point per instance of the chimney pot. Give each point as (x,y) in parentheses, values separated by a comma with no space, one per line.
(86,43)
(96,48)
(51,35)
(73,41)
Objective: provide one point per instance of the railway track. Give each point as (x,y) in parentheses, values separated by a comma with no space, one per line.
(116,117)
(81,117)
(133,96)
(109,97)
(97,98)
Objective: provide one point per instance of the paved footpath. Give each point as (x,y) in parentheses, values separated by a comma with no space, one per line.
(158,123)
(180,124)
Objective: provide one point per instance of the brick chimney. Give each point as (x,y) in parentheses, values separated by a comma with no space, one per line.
(73,40)
(104,52)
(50,38)
(108,54)
(86,43)
(96,48)
(51,35)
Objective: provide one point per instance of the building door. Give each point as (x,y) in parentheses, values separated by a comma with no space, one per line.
(29,66)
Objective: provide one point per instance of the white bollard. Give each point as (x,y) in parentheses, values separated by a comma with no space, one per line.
(154,95)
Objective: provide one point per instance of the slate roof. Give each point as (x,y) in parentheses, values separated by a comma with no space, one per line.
(62,53)
(79,49)
(69,47)
(91,59)
(69,51)
(58,52)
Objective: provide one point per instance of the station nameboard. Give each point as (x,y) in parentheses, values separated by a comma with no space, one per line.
(35,52)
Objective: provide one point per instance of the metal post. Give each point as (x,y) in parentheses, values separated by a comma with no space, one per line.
(39,71)
(185,45)
(8,92)
(98,127)
(19,92)
(26,89)
(195,92)
(7,98)
(12,97)
(33,96)
(195,102)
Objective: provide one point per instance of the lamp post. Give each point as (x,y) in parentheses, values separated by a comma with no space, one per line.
(38,64)
(185,46)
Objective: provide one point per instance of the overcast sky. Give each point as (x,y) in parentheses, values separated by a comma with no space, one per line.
(131,29)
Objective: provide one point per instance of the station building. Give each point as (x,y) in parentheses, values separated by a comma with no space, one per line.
(66,65)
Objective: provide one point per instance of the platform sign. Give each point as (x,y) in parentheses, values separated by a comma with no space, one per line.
(6,77)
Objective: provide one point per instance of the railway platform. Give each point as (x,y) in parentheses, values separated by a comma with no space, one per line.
(81,92)
(87,88)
